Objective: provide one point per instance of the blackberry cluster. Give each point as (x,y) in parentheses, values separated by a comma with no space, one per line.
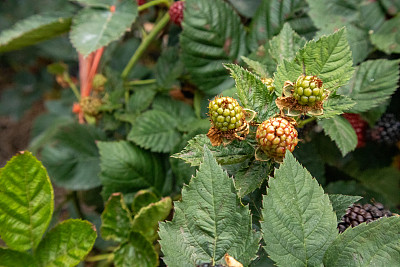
(90,105)
(359,126)
(225,113)
(176,12)
(358,213)
(308,90)
(386,130)
(269,82)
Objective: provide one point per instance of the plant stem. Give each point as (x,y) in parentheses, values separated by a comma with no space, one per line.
(152,3)
(72,86)
(144,44)
(141,82)
(100,257)
(304,122)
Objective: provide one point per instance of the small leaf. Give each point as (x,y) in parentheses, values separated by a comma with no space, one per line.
(341,203)
(168,68)
(372,244)
(146,221)
(141,99)
(175,108)
(26,202)
(235,152)
(136,252)
(336,105)
(373,82)
(299,223)
(251,177)
(257,67)
(212,34)
(340,131)
(12,258)
(142,199)
(93,28)
(387,38)
(155,130)
(33,30)
(126,168)
(116,219)
(66,244)
(329,58)
(209,221)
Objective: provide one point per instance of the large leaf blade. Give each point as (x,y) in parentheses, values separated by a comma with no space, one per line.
(299,223)
(66,244)
(387,37)
(11,258)
(341,203)
(26,202)
(373,244)
(224,227)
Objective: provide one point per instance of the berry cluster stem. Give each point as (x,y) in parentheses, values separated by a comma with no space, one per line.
(153,3)
(304,122)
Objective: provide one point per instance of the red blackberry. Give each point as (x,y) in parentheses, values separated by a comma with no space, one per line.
(140,2)
(176,12)
(386,130)
(359,126)
(358,213)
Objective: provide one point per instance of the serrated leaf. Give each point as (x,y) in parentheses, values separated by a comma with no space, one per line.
(299,223)
(336,105)
(96,3)
(26,202)
(66,244)
(116,219)
(373,244)
(372,15)
(250,177)
(155,130)
(175,108)
(257,67)
(341,203)
(93,28)
(141,99)
(391,6)
(209,221)
(73,160)
(212,34)
(12,258)
(146,220)
(126,168)
(142,199)
(286,44)
(168,68)
(270,17)
(253,93)
(137,252)
(246,8)
(235,152)
(387,37)
(373,82)
(329,58)
(33,30)
(341,132)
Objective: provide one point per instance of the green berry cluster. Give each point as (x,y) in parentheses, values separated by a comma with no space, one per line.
(269,82)
(226,113)
(308,90)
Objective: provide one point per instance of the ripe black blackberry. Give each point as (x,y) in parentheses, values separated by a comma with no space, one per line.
(386,130)
(358,213)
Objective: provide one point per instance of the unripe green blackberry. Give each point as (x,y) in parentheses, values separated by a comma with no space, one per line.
(225,113)
(308,90)
(275,136)
(269,82)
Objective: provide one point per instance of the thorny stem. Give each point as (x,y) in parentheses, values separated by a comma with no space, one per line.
(304,122)
(152,3)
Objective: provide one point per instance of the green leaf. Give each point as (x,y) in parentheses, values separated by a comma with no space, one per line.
(373,82)
(33,30)
(212,34)
(235,152)
(155,130)
(73,160)
(341,203)
(253,93)
(168,68)
(126,168)
(116,219)
(96,3)
(341,132)
(299,223)
(174,108)
(66,244)
(373,244)
(146,221)
(270,17)
(141,99)
(387,37)
(250,177)
(93,28)
(391,6)
(286,44)
(336,105)
(372,15)
(137,252)
(12,258)
(329,58)
(142,199)
(26,202)
(246,8)
(209,221)
(257,67)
